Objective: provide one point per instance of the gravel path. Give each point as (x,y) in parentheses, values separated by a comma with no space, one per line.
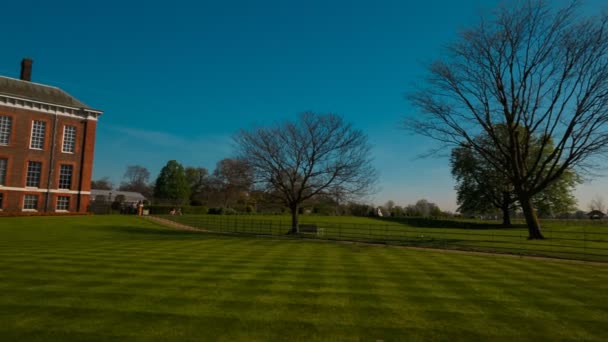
(174,224)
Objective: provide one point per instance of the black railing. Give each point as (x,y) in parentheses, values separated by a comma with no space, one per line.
(590,244)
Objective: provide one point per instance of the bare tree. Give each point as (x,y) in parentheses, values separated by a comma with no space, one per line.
(389,205)
(198,178)
(137,178)
(597,203)
(317,154)
(136,174)
(103,183)
(233,179)
(533,69)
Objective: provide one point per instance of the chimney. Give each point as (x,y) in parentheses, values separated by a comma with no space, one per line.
(26,69)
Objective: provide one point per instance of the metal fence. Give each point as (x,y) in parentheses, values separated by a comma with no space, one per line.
(582,242)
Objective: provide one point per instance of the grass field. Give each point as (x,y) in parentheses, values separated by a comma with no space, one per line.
(580,240)
(116,278)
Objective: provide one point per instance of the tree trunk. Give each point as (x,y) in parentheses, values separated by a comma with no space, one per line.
(506,216)
(294,220)
(534,232)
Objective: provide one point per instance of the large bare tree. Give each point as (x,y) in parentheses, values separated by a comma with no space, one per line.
(232,179)
(136,179)
(317,154)
(531,68)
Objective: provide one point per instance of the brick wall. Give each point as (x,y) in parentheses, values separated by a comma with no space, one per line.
(18,153)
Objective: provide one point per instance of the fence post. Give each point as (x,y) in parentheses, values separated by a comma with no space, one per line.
(585,242)
(386,233)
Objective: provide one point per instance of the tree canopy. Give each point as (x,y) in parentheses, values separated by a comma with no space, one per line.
(482,189)
(103,183)
(198,179)
(172,184)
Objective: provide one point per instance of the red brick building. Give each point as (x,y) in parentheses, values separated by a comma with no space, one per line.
(47,140)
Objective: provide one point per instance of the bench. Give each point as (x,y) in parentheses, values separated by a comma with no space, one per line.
(311,228)
(307,228)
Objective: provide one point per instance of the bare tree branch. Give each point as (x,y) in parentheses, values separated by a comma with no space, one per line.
(316,155)
(538,71)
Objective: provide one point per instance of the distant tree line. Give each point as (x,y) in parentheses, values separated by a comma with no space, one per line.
(228,186)
(314,164)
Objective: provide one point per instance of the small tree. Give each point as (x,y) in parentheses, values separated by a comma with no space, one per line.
(197,180)
(359,209)
(172,184)
(317,154)
(481,188)
(118,203)
(398,211)
(597,203)
(389,205)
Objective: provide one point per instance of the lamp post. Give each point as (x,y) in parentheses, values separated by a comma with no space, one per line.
(110,201)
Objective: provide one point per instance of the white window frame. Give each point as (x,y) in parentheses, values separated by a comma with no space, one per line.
(67,208)
(35,134)
(71,142)
(25,198)
(6,126)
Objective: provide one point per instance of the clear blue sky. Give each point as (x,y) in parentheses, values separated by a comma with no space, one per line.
(176,79)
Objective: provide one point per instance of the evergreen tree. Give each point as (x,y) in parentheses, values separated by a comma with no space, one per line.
(172,185)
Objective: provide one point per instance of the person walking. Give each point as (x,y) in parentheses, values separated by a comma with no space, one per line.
(140,208)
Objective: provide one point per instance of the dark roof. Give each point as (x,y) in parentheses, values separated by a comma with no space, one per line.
(596,213)
(38,92)
(130,196)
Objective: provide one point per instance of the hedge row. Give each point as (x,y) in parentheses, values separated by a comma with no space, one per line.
(40,213)
(186,209)
(196,210)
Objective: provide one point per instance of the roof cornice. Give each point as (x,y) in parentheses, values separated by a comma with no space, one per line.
(48,108)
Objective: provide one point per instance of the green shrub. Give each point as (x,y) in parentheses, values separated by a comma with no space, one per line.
(222,211)
(196,203)
(230,211)
(41,213)
(215,211)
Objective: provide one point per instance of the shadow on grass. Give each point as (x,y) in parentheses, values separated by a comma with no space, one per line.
(446,224)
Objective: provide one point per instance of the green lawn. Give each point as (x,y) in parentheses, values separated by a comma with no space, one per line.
(580,240)
(112,277)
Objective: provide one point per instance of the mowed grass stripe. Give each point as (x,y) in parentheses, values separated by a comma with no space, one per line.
(121,277)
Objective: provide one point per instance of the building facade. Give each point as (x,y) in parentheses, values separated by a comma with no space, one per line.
(47,142)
